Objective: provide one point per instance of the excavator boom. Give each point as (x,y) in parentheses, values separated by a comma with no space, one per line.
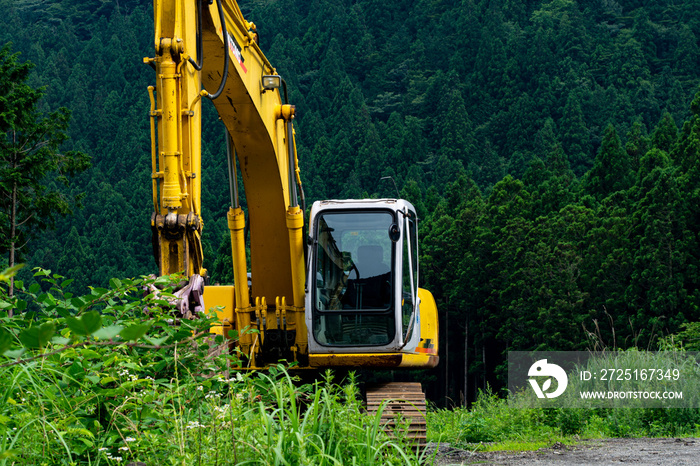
(216,39)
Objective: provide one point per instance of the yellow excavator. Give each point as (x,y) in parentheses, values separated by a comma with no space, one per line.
(342,292)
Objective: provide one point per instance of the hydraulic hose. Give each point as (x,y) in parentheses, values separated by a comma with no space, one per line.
(293,199)
(198,64)
(232,175)
(226,52)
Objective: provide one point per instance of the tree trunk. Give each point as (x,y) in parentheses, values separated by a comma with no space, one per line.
(483,360)
(447,352)
(13,232)
(13,229)
(466,359)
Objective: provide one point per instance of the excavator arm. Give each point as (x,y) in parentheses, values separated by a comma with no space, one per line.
(201,45)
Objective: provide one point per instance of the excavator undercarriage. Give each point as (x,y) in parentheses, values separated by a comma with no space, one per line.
(403,408)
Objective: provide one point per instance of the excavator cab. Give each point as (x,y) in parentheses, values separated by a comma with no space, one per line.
(362,283)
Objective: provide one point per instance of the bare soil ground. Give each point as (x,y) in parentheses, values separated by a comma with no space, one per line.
(635,451)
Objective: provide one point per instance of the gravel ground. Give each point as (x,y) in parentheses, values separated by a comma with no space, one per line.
(637,451)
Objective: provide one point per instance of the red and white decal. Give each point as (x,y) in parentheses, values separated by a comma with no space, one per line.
(235,50)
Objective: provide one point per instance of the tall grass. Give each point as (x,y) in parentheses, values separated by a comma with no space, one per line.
(249,419)
(493,419)
(106,379)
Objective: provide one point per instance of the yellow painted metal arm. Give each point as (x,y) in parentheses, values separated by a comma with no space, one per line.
(176,149)
(259,124)
(257,127)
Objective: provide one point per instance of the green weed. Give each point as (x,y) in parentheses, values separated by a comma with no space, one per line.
(106,379)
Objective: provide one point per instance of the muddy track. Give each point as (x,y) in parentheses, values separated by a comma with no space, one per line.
(637,451)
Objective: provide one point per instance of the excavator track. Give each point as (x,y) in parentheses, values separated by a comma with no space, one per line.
(404,409)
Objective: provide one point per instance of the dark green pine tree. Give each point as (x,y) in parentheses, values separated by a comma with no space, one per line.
(222,270)
(555,192)
(322,157)
(545,139)
(454,128)
(643,31)
(437,238)
(32,165)
(611,168)
(412,193)
(370,162)
(464,294)
(392,133)
(574,136)
(446,171)
(521,121)
(488,74)
(506,222)
(628,65)
(687,152)
(687,53)
(645,102)
(537,173)
(438,234)
(467,41)
(77,262)
(413,144)
(331,79)
(491,166)
(607,267)
(637,144)
(548,293)
(665,134)
(663,244)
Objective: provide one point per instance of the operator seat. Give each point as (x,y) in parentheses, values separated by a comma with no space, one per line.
(372,289)
(370,261)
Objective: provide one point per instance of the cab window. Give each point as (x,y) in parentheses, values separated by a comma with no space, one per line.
(353,297)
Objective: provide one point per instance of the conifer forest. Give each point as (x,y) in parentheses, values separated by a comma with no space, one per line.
(551,147)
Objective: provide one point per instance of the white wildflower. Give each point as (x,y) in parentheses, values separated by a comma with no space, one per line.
(194,425)
(221,409)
